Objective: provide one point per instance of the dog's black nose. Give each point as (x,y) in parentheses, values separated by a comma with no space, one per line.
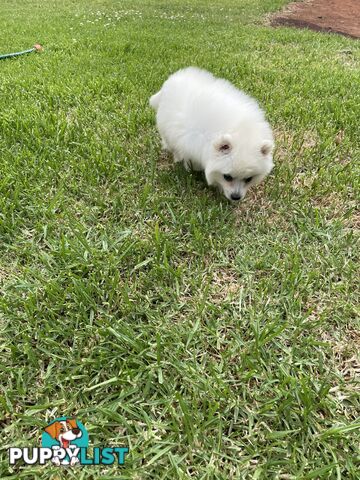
(235,196)
(76,431)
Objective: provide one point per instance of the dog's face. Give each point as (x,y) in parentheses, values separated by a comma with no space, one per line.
(64,431)
(237,162)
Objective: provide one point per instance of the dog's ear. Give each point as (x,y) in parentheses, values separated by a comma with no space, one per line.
(267,147)
(72,422)
(53,430)
(223,144)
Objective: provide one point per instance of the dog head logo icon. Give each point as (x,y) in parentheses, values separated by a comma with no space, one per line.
(64,431)
(65,434)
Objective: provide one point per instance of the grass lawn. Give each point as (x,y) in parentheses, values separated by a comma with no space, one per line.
(217,341)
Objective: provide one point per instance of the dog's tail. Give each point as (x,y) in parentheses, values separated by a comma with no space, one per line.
(155,100)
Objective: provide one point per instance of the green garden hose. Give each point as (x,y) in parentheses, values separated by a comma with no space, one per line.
(36,48)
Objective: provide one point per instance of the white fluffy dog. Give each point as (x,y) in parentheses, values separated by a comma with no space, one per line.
(210,125)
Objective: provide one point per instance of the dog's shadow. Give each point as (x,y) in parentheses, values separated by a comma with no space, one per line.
(186,180)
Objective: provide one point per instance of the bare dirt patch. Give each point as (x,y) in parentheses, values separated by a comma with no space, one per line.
(338,16)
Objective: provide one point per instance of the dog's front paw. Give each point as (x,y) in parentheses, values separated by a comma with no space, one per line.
(188,165)
(177,158)
(74,461)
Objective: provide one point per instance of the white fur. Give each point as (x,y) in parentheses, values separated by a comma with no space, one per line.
(210,125)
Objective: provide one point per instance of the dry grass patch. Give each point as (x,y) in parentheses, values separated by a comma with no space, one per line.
(225,285)
(345,349)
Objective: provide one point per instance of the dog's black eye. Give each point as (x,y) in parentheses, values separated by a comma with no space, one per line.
(228,178)
(248,179)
